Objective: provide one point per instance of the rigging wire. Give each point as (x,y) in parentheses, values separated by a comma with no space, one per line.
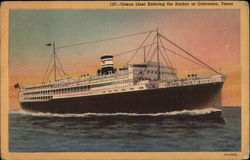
(45,75)
(171,69)
(168,62)
(171,51)
(168,58)
(62,67)
(151,47)
(122,53)
(60,73)
(189,54)
(46,80)
(164,59)
(153,54)
(89,42)
(139,47)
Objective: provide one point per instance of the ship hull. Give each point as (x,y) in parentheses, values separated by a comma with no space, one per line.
(143,101)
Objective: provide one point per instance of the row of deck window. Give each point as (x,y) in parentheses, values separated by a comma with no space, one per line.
(122,90)
(61,90)
(56,85)
(155,72)
(38,98)
(75,89)
(155,66)
(49,86)
(50,97)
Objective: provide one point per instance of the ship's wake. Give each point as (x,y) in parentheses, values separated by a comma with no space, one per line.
(196,112)
(208,115)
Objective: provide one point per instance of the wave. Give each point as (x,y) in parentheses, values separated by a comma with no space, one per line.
(173,113)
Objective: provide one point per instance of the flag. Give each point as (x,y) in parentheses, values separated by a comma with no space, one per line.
(49,44)
(16,86)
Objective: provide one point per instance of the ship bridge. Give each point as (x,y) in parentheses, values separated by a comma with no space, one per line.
(149,71)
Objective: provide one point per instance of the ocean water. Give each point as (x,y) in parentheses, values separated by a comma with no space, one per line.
(184,131)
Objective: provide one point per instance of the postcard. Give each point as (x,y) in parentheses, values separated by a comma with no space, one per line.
(125,80)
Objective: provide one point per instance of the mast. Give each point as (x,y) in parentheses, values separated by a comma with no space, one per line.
(158,56)
(54,65)
(54,54)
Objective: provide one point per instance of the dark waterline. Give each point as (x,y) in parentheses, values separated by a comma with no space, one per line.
(186,131)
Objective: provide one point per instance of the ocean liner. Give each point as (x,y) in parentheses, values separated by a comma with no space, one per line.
(146,87)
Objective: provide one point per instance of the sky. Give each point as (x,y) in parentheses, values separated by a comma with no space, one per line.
(212,35)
